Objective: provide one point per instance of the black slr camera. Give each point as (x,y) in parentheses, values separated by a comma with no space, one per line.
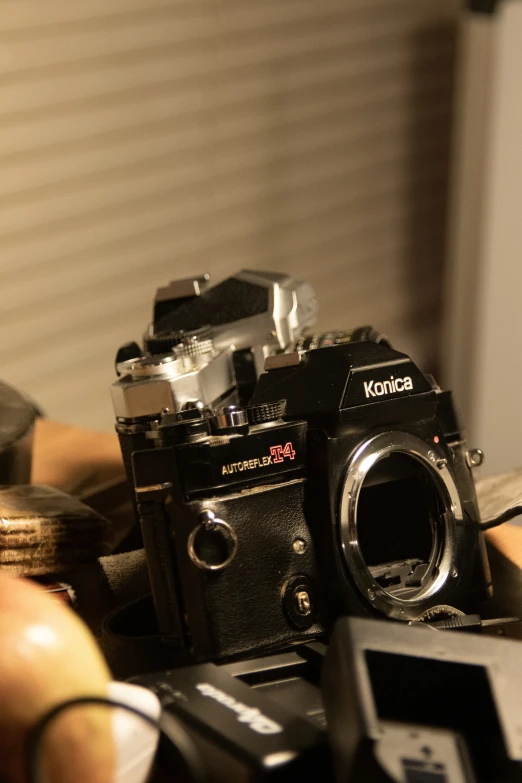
(336,482)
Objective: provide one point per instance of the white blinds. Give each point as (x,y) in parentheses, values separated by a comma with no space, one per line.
(145,139)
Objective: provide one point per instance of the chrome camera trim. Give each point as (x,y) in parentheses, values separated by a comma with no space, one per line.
(362,461)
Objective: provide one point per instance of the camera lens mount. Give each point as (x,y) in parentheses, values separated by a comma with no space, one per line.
(439,566)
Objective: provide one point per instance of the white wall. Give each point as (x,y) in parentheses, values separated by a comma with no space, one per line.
(484,334)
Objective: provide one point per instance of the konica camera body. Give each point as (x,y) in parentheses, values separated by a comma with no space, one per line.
(344,486)
(390,498)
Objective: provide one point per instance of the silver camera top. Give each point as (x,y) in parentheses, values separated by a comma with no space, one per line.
(292,307)
(202,336)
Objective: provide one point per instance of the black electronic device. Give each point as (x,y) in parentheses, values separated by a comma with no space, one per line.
(415,705)
(344,486)
(256,720)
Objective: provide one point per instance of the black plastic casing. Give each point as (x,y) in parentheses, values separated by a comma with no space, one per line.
(241,609)
(327,390)
(402,703)
(254,720)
